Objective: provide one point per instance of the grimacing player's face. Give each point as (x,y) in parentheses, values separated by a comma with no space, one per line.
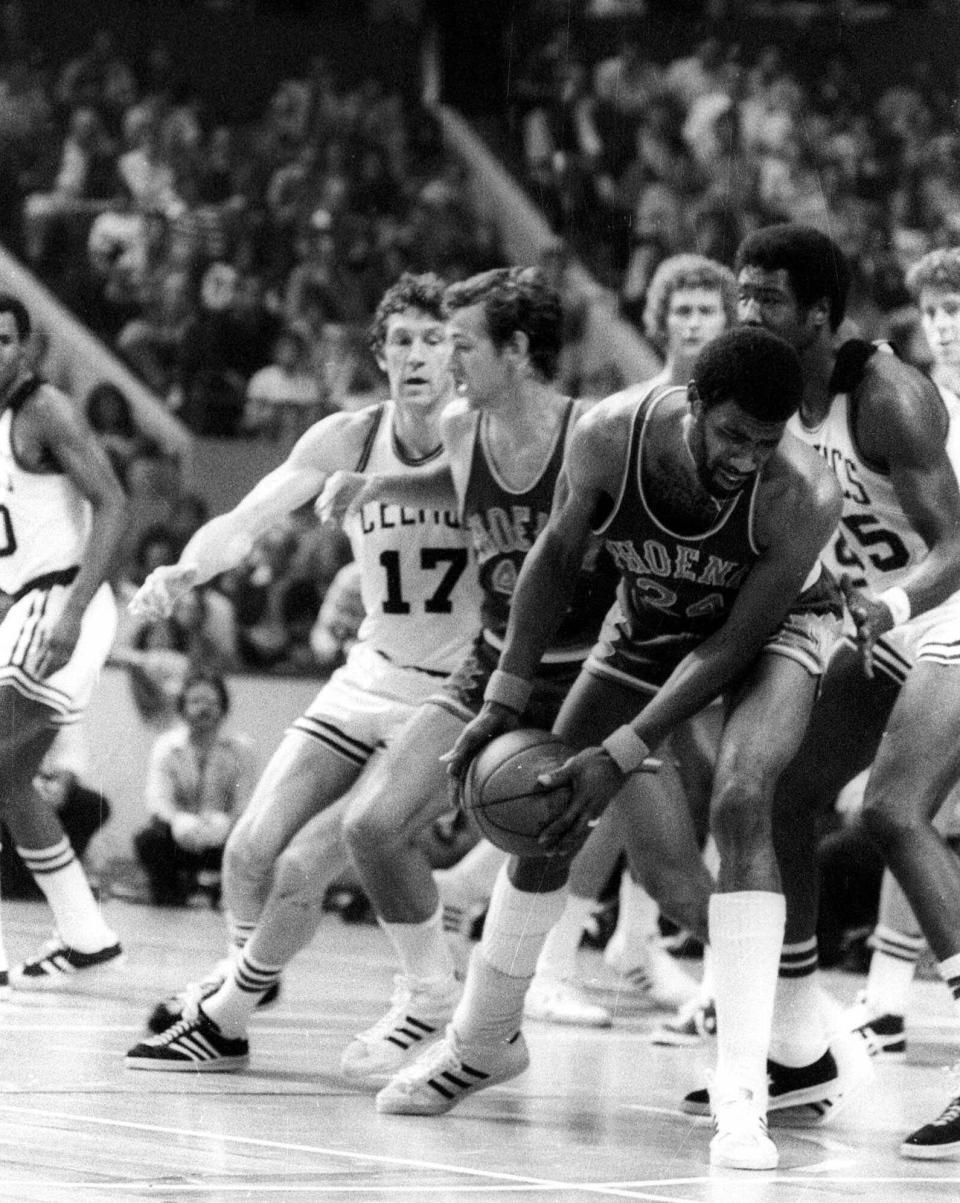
(729,446)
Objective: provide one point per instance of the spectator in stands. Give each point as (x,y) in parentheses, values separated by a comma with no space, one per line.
(198,782)
(109,414)
(146,173)
(157,662)
(285,397)
(86,182)
(150,342)
(209,395)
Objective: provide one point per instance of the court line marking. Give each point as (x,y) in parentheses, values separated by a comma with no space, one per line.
(613,1191)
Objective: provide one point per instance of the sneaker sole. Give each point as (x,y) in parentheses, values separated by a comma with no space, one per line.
(719,1161)
(157,1064)
(557,1019)
(818,1100)
(948,1152)
(441,1105)
(66,981)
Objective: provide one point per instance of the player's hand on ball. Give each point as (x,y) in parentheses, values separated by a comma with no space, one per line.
(593,779)
(343,494)
(871,617)
(493,720)
(156,596)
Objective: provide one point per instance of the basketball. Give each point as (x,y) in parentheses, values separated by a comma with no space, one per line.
(500,789)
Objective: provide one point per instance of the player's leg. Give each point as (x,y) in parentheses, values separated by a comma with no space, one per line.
(840,741)
(84,940)
(408,791)
(916,766)
(85,945)
(762,733)
(484,1044)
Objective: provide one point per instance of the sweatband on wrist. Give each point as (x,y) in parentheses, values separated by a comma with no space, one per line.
(626,749)
(898,603)
(507,689)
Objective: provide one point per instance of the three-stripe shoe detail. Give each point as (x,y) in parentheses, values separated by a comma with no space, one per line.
(447,1072)
(469,1079)
(193,1043)
(57,961)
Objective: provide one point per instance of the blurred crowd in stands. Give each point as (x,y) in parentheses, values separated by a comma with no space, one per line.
(636,159)
(234,268)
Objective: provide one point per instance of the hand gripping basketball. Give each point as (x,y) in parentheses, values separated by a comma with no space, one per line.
(500,789)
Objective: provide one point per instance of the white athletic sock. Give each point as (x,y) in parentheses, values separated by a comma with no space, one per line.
(516,926)
(892,967)
(423,951)
(475,873)
(232,1005)
(798,1036)
(637,920)
(558,958)
(746,934)
(950,972)
(60,876)
(491,1006)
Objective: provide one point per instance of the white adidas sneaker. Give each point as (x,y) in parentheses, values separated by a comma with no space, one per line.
(417,1016)
(450,1071)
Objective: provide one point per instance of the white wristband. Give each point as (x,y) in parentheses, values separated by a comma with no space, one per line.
(626,749)
(507,689)
(898,603)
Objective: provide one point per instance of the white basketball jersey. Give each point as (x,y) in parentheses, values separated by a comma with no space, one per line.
(874,543)
(418,577)
(44,518)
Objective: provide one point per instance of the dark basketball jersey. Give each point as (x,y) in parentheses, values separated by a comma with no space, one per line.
(675,590)
(504,524)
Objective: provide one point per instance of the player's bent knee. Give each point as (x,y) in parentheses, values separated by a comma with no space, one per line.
(243,860)
(740,810)
(297,880)
(887,824)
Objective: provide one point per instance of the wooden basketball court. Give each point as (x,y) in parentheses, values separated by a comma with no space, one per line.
(595,1117)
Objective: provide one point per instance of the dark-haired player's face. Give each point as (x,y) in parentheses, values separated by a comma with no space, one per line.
(766,299)
(478,368)
(729,446)
(940,319)
(416,358)
(11,351)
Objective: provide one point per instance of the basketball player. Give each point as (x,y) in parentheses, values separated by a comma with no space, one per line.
(505,438)
(886,432)
(61,516)
(690,301)
(421,601)
(897,942)
(715,521)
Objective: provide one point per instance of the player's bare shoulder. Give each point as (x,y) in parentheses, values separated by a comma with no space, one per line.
(337,440)
(602,430)
(900,411)
(798,486)
(46,421)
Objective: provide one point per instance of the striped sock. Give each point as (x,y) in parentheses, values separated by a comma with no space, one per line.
(60,876)
(892,966)
(950,972)
(233,1004)
(799,1036)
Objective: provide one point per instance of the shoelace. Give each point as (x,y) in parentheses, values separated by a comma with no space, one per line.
(950,1113)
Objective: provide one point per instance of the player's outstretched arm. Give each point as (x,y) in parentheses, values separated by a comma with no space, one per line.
(346,493)
(223,542)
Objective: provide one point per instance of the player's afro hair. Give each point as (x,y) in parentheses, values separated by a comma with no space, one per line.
(757,370)
(815,265)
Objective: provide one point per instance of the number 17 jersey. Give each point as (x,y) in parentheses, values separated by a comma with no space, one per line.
(418,576)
